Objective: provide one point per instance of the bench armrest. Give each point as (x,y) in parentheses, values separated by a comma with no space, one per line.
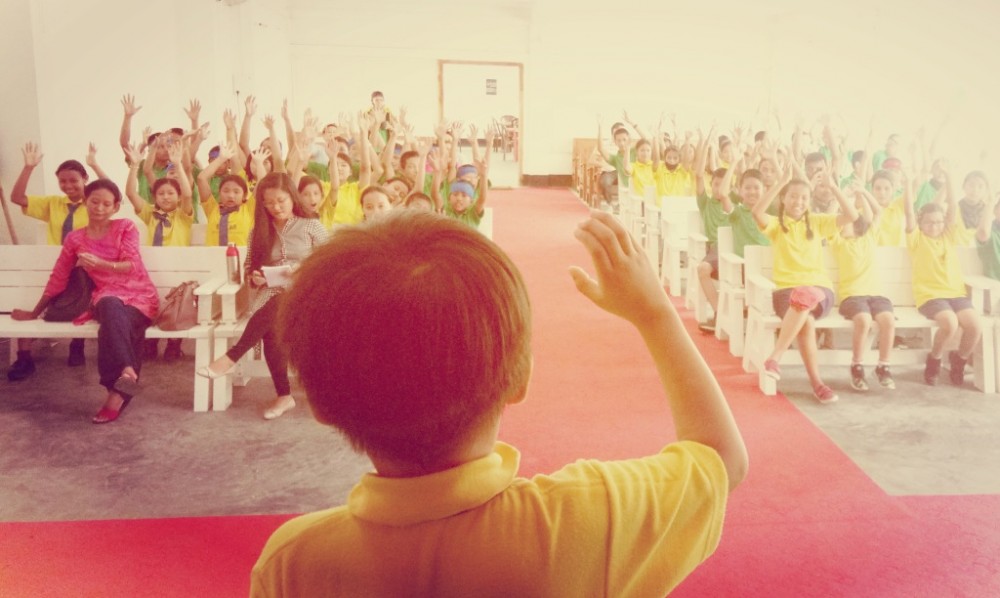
(231,296)
(984,292)
(205,293)
(731,259)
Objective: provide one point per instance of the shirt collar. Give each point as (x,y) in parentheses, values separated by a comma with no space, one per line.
(408,501)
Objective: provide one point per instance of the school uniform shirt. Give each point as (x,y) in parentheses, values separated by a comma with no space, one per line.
(630,528)
(678,182)
(892,224)
(745,229)
(348,209)
(178,234)
(642,177)
(989,252)
(616,161)
(712,216)
(972,214)
(856,265)
(798,260)
(53,209)
(936,271)
(238,224)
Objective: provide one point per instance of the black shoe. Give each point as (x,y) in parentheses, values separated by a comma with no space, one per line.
(957,371)
(885,377)
(173,351)
(932,370)
(858,381)
(76,357)
(150,349)
(23,367)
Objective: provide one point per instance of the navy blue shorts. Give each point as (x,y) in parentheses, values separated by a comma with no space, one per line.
(934,306)
(868,304)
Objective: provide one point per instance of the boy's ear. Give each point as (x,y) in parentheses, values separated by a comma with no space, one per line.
(522,393)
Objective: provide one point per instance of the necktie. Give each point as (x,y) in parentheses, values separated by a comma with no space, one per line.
(163,221)
(67,227)
(224,225)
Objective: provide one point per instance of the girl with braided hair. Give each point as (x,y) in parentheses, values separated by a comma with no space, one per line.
(804,289)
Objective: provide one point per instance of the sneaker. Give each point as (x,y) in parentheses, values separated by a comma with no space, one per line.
(957,371)
(76,357)
(708,327)
(772,370)
(824,394)
(858,381)
(885,377)
(22,367)
(173,351)
(931,370)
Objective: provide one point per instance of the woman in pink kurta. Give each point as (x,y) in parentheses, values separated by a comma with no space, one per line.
(124,299)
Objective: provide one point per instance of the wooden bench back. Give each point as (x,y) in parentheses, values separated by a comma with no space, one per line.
(893,264)
(25,269)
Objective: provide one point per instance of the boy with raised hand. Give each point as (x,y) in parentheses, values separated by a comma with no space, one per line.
(446,344)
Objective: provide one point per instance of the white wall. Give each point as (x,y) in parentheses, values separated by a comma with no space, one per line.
(66,64)
(466,98)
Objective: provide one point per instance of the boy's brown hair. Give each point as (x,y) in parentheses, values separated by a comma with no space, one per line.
(409,333)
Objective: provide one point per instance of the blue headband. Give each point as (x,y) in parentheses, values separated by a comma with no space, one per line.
(462,187)
(466,169)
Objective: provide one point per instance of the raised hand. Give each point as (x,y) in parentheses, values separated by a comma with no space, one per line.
(128,104)
(32,154)
(228,151)
(284,109)
(146,133)
(626,285)
(269,122)
(193,110)
(473,132)
(92,155)
(175,152)
(250,104)
(133,154)
(229,119)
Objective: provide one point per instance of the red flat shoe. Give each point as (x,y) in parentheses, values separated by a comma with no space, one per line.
(106,415)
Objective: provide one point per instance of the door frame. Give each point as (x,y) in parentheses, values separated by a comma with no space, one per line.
(520,102)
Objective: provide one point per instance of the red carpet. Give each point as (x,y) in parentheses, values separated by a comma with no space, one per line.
(807,522)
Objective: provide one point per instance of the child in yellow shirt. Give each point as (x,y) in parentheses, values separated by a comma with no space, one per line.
(804,290)
(861,297)
(641,171)
(938,285)
(230,214)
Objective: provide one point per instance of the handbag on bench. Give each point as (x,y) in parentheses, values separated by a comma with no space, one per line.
(74,300)
(180,308)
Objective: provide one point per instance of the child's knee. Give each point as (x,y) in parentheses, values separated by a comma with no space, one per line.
(704,270)
(862,320)
(947,321)
(969,321)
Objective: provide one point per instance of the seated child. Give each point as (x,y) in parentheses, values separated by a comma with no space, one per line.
(375,201)
(715,210)
(444,513)
(938,284)
(419,201)
(861,296)
(168,221)
(804,289)
(230,213)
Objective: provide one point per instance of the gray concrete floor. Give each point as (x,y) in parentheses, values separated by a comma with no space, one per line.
(914,440)
(160,459)
(163,460)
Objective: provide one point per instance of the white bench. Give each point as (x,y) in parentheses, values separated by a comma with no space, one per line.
(895,273)
(678,217)
(25,269)
(730,323)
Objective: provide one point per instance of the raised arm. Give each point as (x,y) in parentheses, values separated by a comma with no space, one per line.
(626,286)
(600,142)
(727,185)
(129,108)
(701,158)
(250,107)
(132,182)
(848,212)
(193,112)
(759,210)
(634,125)
(289,127)
(239,158)
(32,158)
(176,150)
(277,161)
(387,154)
(911,218)
(205,176)
(365,125)
(92,161)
